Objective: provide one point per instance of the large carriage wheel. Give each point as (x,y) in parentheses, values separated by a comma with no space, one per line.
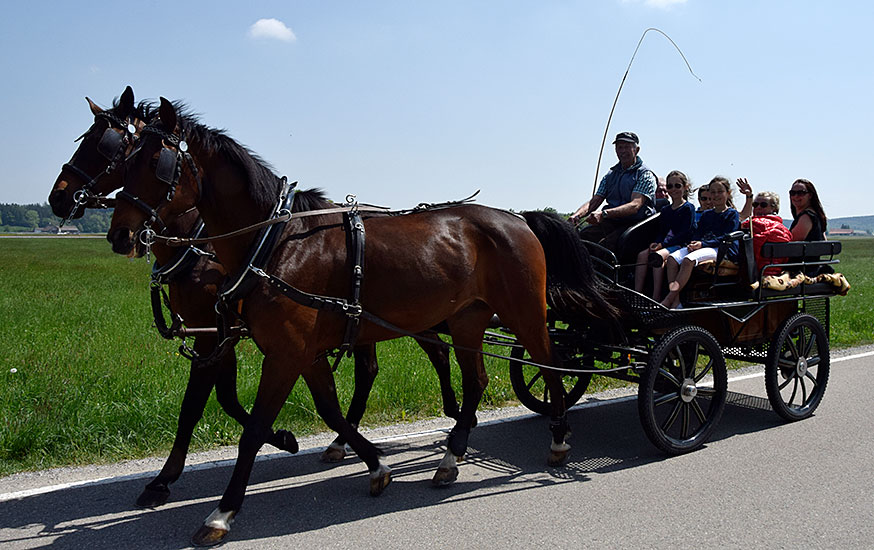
(798,366)
(682,392)
(527,382)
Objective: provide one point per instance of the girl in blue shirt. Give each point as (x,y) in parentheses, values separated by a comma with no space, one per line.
(676,221)
(721,220)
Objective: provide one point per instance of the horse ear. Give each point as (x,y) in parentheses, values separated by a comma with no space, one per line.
(167,114)
(94,108)
(126,103)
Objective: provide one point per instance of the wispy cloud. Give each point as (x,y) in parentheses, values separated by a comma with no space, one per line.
(271,29)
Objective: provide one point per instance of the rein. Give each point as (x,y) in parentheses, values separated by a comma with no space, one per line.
(282,218)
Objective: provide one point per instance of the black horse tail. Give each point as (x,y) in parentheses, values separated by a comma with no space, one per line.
(572,288)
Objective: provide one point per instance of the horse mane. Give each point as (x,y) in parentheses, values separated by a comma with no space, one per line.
(310,199)
(263,183)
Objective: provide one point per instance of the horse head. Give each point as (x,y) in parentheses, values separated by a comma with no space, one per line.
(161,183)
(93,170)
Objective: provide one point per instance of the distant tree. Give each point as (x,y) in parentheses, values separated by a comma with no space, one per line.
(31,219)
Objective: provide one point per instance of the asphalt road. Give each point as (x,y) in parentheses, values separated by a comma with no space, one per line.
(759,483)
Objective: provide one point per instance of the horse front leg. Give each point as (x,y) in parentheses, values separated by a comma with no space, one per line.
(200,383)
(320,381)
(366,369)
(226,395)
(275,385)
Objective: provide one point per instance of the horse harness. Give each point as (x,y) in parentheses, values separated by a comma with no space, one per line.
(112,146)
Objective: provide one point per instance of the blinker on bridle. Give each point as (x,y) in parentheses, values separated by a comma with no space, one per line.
(112,146)
(174,153)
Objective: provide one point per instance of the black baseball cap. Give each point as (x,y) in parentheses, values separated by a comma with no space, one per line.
(627,136)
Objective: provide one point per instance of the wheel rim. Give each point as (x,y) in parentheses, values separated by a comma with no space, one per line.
(531,390)
(798,368)
(685,402)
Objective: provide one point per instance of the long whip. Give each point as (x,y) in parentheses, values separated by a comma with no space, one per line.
(621,84)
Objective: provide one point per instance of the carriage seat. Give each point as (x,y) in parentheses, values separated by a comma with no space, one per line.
(799,257)
(636,238)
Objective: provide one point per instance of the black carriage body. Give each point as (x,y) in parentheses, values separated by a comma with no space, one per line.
(680,401)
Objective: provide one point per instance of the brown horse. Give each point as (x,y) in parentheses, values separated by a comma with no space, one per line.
(455,265)
(94,171)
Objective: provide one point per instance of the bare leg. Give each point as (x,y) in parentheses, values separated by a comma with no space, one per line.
(672,300)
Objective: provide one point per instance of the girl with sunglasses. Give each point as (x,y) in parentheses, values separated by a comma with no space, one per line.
(676,221)
(715,223)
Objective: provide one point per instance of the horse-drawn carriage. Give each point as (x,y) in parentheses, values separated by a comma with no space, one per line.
(451,266)
(678,356)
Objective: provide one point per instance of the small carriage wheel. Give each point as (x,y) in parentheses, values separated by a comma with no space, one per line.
(682,392)
(527,382)
(796,373)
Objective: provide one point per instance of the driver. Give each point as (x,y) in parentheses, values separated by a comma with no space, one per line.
(629,191)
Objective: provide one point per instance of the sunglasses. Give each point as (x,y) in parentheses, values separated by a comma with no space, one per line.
(798,192)
(674,186)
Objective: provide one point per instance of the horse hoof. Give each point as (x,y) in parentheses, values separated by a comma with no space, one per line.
(215,529)
(209,536)
(285,440)
(379,480)
(333,454)
(444,476)
(557,458)
(153,497)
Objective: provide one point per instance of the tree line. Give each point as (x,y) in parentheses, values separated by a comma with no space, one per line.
(30,217)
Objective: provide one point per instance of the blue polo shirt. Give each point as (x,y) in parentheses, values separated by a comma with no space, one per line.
(618,184)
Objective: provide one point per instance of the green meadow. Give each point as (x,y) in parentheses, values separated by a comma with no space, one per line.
(84,377)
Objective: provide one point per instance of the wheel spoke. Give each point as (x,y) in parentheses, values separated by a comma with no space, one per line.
(698,411)
(685,430)
(786,363)
(801,339)
(706,391)
(533,381)
(786,382)
(808,349)
(672,417)
(812,379)
(794,391)
(813,361)
(793,351)
(670,377)
(803,391)
(666,398)
(705,371)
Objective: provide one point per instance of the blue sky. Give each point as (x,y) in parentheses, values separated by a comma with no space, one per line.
(401,102)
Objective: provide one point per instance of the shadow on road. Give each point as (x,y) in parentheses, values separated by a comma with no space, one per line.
(297,494)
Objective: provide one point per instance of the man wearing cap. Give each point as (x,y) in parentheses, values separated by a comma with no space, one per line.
(629,191)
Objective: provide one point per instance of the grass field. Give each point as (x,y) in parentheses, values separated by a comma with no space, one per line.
(85,378)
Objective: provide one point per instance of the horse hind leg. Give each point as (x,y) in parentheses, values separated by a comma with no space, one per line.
(534,337)
(467,329)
